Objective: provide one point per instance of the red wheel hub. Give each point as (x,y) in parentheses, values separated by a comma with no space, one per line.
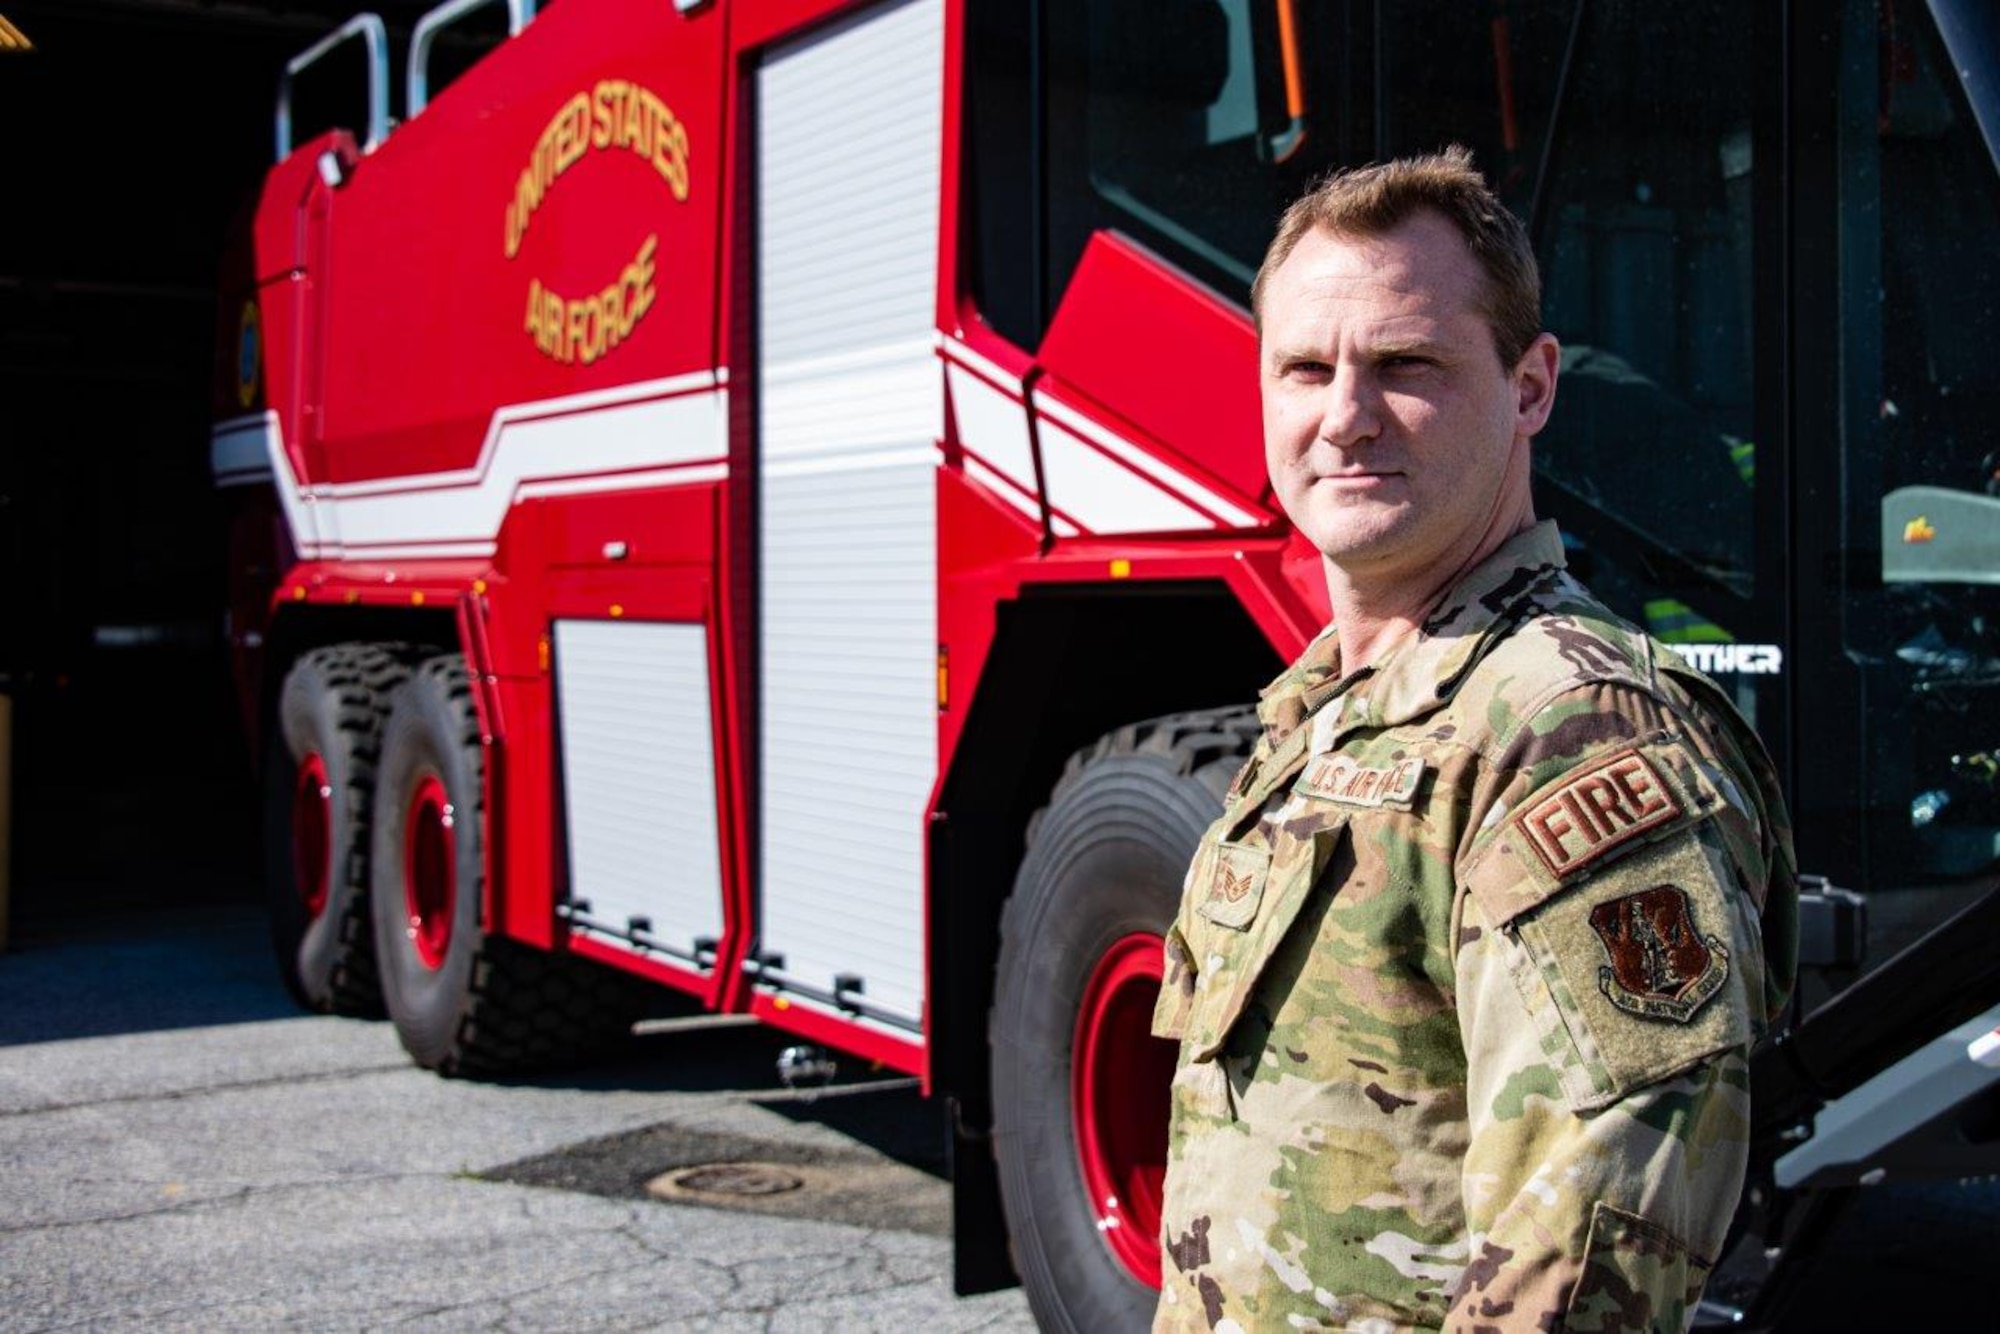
(312,833)
(430,871)
(1118,1100)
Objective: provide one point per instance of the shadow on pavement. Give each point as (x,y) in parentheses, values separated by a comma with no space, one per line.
(720,1055)
(135,853)
(143,972)
(897,1122)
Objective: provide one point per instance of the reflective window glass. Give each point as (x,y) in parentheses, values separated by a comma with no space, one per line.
(1645,243)
(1920,317)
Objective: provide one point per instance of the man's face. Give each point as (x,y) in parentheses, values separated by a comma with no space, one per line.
(1396,440)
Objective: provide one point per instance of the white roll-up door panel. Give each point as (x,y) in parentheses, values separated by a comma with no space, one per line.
(850,402)
(639,791)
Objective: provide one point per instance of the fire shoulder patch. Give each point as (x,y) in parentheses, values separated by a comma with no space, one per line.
(1636,942)
(1595,811)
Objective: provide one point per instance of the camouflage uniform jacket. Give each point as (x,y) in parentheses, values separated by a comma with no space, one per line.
(1465,979)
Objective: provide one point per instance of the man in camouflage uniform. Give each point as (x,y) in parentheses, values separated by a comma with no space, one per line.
(1467,974)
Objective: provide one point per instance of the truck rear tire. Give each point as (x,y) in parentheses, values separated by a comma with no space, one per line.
(463,1001)
(1079,1083)
(319,786)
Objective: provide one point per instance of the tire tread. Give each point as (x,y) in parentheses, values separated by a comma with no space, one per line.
(1202,749)
(524,1009)
(359,677)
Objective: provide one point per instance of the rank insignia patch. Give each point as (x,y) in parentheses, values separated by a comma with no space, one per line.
(1232,886)
(1596,810)
(1661,966)
(1235,885)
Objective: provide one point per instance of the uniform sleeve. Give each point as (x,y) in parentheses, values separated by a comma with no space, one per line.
(1610,984)
(1171,1010)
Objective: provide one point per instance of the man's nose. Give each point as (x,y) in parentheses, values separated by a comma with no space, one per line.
(1349,414)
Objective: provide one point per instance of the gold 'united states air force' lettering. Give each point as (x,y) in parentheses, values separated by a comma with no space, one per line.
(585,328)
(619,115)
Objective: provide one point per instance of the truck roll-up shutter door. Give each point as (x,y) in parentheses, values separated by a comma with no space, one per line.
(638,778)
(850,403)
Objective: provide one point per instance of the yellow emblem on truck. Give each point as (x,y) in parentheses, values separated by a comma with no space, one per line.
(249,355)
(614,115)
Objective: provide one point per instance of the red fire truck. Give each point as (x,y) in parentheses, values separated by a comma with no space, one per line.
(763,499)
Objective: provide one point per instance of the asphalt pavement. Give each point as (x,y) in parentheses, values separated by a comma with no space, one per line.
(181,1149)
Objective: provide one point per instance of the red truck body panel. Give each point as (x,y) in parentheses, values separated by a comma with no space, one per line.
(510,371)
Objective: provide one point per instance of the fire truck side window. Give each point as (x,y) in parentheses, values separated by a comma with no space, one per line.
(1645,245)
(1003,132)
(1480,75)
(1188,124)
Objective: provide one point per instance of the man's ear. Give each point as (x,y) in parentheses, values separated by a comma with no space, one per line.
(1535,385)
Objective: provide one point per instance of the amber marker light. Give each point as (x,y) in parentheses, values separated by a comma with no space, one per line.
(1121,568)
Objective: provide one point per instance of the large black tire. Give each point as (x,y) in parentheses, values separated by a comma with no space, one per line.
(319,785)
(465,1002)
(1096,892)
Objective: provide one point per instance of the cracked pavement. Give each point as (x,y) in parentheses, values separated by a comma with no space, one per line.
(181,1149)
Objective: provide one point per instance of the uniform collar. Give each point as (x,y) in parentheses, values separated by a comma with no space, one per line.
(1425,669)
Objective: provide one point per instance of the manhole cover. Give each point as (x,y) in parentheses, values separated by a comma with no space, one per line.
(733,1179)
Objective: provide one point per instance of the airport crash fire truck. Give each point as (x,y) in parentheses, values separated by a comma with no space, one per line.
(763,500)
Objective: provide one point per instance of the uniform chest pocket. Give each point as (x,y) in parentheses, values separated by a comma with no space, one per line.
(1235,886)
(1245,930)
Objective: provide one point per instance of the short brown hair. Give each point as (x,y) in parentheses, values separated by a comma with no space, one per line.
(1373,200)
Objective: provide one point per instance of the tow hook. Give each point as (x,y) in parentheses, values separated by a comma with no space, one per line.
(806,1069)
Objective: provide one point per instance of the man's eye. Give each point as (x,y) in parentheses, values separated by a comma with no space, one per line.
(1404,363)
(1308,369)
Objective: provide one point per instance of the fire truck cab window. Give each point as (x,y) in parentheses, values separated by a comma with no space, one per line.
(1188,124)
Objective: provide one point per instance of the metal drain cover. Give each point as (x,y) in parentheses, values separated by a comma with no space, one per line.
(728,1179)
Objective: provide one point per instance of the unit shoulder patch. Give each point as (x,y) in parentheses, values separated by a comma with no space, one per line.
(1646,963)
(1596,810)
(1661,966)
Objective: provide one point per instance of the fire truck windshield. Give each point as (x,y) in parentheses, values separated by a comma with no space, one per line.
(1633,139)
(1920,316)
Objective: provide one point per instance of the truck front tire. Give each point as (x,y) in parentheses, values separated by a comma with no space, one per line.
(319,788)
(1079,1084)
